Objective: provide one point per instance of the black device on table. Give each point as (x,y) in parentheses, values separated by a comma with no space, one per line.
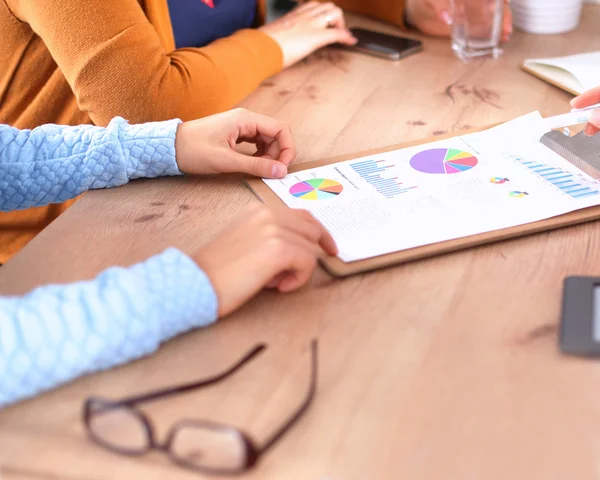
(381,45)
(580,322)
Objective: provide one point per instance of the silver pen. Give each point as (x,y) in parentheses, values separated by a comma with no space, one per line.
(574,117)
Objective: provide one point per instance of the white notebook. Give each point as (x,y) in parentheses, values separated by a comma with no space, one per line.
(575,74)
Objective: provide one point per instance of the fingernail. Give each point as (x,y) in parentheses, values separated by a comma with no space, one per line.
(573,101)
(446,17)
(589,130)
(279,170)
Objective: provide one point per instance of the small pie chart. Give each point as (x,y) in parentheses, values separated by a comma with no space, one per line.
(443,161)
(316,189)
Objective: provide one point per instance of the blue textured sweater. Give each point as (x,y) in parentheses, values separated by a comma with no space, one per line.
(59,332)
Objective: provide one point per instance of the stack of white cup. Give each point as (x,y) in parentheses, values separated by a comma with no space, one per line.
(546,16)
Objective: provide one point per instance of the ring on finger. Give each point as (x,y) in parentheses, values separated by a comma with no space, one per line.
(329,20)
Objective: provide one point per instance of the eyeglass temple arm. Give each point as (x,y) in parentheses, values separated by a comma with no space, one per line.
(275,437)
(192,386)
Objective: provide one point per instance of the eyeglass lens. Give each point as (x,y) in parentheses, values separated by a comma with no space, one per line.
(209,447)
(120,428)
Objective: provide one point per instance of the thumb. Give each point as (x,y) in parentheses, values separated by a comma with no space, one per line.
(441,11)
(261,166)
(586,99)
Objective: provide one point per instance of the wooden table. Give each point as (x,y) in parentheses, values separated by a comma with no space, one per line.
(441,369)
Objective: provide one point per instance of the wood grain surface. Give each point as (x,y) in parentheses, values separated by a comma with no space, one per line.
(445,368)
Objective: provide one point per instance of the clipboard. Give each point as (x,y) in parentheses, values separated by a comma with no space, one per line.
(338,268)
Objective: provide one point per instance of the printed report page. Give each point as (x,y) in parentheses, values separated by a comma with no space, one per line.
(462,186)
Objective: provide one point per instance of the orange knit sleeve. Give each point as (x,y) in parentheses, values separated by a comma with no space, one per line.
(391,11)
(113,59)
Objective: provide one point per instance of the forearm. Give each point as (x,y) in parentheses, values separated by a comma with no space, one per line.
(215,78)
(59,332)
(116,64)
(53,163)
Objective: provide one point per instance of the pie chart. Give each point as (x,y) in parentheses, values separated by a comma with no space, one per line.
(443,160)
(316,189)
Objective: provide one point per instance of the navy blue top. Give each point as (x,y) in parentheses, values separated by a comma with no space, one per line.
(196,24)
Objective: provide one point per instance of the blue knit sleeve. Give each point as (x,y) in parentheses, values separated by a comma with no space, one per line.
(59,332)
(53,163)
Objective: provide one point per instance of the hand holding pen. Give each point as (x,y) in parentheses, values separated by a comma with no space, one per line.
(589,102)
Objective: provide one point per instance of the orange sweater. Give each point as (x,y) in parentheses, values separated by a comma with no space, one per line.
(87,61)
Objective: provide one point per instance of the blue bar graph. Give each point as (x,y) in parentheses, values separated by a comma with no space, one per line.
(371,171)
(565,181)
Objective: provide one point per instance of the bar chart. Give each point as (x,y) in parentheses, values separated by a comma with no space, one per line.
(373,172)
(567,182)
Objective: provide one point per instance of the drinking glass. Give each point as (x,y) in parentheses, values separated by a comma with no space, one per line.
(477,28)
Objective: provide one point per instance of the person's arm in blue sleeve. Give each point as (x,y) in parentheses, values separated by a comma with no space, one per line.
(59,332)
(56,333)
(54,163)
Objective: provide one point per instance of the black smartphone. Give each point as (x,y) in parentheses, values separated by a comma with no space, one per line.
(381,45)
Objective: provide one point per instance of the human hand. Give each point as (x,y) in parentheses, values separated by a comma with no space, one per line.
(589,98)
(307,28)
(433,17)
(265,247)
(207,145)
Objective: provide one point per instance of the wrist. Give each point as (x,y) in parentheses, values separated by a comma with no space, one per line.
(148,148)
(180,156)
(185,156)
(184,293)
(202,260)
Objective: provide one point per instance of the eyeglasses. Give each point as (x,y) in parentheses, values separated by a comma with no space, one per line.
(205,446)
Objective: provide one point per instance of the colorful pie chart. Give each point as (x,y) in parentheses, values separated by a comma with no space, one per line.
(316,189)
(499,180)
(517,194)
(443,161)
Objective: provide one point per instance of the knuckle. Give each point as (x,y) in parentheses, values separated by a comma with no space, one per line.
(296,215)
(273,231)
(307,216)
(277,247)
(257,164)
(254,214)
(255,208)
(239,112)
(314,233)
(264,214)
